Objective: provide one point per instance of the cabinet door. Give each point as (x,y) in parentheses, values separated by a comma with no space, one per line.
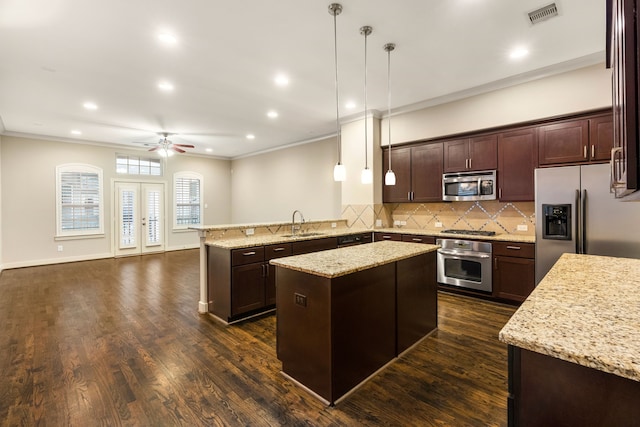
(456,155)
(416,238)
(247,288)
(483,153)
(565,142)
(600,137)
(513,278)
(426,172)
(401,165)
(516,164)
(273,252)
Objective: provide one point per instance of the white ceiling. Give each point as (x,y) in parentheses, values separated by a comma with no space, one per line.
(57,54)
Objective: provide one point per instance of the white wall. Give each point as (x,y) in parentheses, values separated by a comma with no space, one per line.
(574,91)
(28,199)
(1,265)
(270,186)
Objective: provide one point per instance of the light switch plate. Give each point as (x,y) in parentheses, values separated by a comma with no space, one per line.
(250,231)
(523,227)
(438,225)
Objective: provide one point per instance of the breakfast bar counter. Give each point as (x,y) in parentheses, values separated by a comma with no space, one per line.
(343,314)
(574,345)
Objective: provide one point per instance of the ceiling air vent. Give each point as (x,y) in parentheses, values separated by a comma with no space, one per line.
(543,13)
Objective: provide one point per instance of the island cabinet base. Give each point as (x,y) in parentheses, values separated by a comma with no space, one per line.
(332,334)
(546,391)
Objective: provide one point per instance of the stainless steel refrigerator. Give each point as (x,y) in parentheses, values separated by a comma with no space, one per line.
(575,212)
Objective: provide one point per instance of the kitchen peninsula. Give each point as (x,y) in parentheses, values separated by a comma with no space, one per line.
(345,313)
(574,346)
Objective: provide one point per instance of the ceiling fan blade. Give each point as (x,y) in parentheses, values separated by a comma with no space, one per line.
(157,147)
(184,145)
(179,150)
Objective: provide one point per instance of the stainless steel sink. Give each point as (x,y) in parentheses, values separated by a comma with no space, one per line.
(309,234)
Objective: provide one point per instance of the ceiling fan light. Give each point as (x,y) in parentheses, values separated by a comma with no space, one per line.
(339,172)
(390,178)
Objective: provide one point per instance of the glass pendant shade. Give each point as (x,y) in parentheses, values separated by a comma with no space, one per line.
(390,178)
(339,172)
(367,176)
(165,152)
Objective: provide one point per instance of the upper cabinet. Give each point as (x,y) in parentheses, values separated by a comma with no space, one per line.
(516,164)
(418,172)
(622,58)
(471,154)
(576,141)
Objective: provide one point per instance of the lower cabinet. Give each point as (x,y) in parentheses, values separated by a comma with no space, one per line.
(379,236)
(513,270)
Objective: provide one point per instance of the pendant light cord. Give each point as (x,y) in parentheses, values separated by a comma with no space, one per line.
(366,31)
(389,48)
(335,52)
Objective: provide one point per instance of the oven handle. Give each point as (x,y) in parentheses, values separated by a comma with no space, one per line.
(464,254)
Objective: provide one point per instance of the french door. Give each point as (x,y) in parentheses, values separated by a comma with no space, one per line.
(140,218)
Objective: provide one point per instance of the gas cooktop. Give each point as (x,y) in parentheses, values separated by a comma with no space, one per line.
(471,232)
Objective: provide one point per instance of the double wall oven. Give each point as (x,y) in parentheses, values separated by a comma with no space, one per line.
(465,263)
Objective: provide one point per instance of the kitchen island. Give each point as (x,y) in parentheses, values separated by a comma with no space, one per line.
(574,346)
(345,313)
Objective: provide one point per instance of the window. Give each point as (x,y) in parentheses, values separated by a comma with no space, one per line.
(187,198)
(79,200)
(134,165)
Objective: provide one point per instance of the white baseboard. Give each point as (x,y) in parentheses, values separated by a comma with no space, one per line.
(182,247)
(36,262)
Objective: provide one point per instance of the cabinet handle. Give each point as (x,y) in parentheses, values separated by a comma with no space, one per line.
(500,193)
(416,239)
(409,195)
(248,253)
(386,237)
(278,249)
(266,270)
(593,151)
(516,248)
(470,163)
(495,263)
(584,151)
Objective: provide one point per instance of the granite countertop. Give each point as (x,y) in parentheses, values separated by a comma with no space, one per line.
(257,225)
(587,311)
(342,261)
(273,239)
(521,238)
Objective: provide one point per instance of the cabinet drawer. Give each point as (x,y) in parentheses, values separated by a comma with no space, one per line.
(315,245)
(515,249)
(247,255)
(416,238)
(387,236)
(277,251)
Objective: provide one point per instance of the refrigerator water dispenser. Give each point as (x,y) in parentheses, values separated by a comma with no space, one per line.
(557,222)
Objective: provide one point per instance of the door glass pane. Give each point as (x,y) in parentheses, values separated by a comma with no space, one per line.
(128,225)
(153,217)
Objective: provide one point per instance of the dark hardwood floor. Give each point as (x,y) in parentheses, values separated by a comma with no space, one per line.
(120,342)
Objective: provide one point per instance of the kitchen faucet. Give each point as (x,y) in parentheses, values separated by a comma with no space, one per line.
(293,221)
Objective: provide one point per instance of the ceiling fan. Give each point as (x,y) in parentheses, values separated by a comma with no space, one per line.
(165,147)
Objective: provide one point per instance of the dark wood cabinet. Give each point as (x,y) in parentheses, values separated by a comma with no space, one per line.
(516,165)
(273,252)
(378,236)
(622,58)
(565,142)
(314,245)
(418,172)
(600,137)
(417,238)
(513,270)
(247,288)
(471,154)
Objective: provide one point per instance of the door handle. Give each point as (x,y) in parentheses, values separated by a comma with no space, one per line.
(577,222)
(584,221)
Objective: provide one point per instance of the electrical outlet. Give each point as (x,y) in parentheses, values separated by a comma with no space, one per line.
(396,222)
(438,225)
(523,227)
(60,248)
(378,223)
(403,222)
(300,299)
(334,225)
(250,231)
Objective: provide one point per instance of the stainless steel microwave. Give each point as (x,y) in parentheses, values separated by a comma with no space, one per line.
(465,186)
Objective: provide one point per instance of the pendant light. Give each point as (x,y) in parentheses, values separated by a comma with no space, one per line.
(390,176)
(339,171)
(367,176)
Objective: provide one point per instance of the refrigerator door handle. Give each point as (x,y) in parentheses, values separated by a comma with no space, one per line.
(583,221)
(578,229)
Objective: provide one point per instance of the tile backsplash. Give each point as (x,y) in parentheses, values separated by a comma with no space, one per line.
(501,217)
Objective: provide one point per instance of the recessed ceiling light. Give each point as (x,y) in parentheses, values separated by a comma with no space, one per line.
(76,132)
(168,39)
(165,86)
(209,150)
(350,105)
(281,80)
(272,114)
(90,106)
(519,52)
(251,136)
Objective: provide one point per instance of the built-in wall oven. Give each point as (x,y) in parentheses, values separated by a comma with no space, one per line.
(465,264)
